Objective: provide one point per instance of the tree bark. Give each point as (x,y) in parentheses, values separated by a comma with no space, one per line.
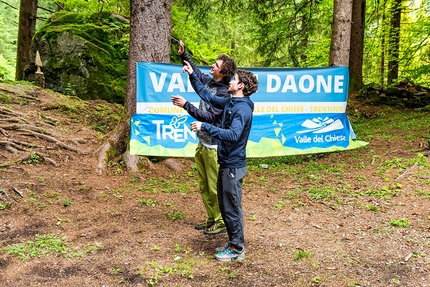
(26,30)
(357,45)
(394,42)
(382,63)
(150,24)
(340,33)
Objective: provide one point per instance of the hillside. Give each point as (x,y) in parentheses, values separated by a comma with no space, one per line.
(355,218)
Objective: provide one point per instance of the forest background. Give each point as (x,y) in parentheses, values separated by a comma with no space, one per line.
(268,33)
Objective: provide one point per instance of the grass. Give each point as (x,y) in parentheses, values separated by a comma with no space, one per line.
(45,245)
(404,222)
(302,254)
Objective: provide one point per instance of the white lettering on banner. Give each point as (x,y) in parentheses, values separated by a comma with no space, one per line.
(176,83)
(338,83)
(305,84)
(176,134)
(318,139)
(158,86)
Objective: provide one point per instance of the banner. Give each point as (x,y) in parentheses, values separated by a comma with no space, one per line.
(297,111)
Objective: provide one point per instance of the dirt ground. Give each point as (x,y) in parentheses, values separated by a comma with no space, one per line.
(317,220)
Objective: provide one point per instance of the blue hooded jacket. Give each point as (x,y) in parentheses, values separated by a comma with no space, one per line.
(235,126)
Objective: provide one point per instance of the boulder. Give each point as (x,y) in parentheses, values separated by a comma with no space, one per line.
(83,55)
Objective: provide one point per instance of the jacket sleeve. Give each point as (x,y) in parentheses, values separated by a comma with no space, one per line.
(209,116)
(203,77)
(231,134)
(205,95)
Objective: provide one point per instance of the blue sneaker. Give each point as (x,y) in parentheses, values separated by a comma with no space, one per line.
(231,254)
(222,248)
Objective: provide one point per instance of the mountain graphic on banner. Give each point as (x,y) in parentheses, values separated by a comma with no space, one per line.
(319,125)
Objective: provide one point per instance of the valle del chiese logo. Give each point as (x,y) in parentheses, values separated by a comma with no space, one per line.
(319,126)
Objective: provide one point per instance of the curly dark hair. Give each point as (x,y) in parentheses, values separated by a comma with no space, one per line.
(249,81)
(228,68)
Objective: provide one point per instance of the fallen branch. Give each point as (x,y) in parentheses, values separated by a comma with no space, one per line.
(406,171)
(17,191)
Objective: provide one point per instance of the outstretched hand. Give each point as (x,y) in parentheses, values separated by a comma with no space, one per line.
(178,100)
(196,126)
(181,47)
(187,68)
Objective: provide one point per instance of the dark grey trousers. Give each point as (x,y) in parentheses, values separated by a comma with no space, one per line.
(229,187)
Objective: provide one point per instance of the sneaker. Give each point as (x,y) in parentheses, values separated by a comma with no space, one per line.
(222,248)
(230,254)
(215,229)
(204,225)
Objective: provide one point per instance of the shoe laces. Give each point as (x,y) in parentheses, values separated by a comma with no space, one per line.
(227,251)
(213,227)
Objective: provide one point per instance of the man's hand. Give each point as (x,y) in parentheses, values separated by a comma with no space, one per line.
(187,68)
(181,47)
(178,101)
(196,126)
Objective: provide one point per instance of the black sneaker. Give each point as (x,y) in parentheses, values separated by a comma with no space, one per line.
(204,225)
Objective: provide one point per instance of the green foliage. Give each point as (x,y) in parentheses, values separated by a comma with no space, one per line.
(404,222)
(4,205)
(8,38)
(45,245)
(121,7)
(33,158)
(255,33)
(414,34)
(301,254)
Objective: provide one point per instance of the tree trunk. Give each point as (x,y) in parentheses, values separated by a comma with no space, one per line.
(340,33)
(26,30)
(394,42)
(382,63)
(149,42)
(357,45)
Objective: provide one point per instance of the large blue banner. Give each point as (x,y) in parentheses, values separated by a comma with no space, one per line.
(297,111)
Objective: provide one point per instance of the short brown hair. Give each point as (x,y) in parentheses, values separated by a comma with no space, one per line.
(228,68)
(249,81)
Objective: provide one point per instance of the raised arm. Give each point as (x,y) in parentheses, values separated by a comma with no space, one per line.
(185,57)
(230,134)
(201,90)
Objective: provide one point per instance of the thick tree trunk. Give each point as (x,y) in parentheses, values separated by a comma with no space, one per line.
(149,42)
(340,33)
(394,43)
(26,30)
(357,45)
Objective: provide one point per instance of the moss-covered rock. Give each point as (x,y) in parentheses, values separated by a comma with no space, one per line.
(83,55)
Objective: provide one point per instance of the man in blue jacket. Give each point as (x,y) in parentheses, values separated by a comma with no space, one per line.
(205,157)
(233,135)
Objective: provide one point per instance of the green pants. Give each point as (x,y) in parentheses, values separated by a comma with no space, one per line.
(207,167)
